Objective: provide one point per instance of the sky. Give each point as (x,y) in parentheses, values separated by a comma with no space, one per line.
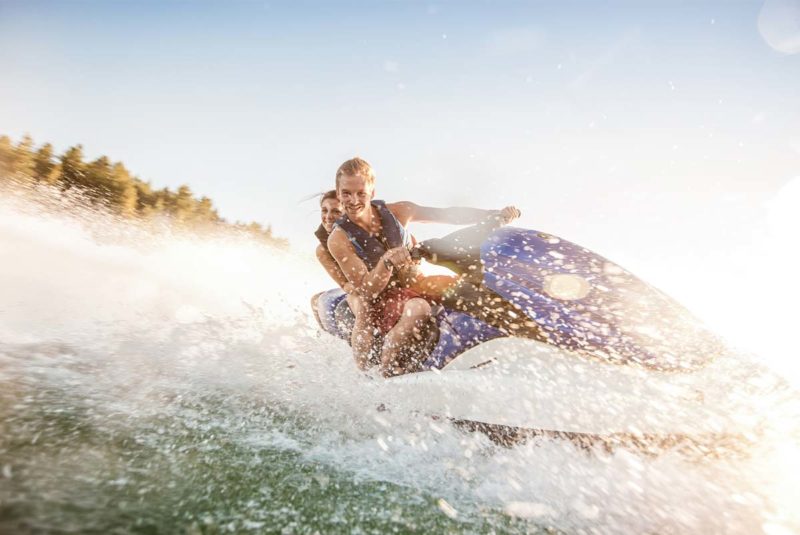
(558,107)
(664,134)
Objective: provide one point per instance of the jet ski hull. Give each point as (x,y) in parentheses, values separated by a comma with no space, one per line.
(524,385)
(619,360)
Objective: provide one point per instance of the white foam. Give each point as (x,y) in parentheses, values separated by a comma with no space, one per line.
(140,322)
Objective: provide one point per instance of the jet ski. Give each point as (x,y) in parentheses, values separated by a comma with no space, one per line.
(543,337)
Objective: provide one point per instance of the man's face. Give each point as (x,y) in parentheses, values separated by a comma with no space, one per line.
(355,194)
(331,210)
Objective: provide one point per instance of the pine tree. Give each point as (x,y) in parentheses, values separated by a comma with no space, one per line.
(16,161)
(96,180)
(145,198)
(162,200)
(124,190)
(182,206)
(205,212)
(44,168)
(23,157)
(73,170)
(6,157)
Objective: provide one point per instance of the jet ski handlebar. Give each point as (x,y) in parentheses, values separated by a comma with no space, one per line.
(417,252)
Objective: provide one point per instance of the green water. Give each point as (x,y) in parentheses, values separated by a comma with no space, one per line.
(180,387)
(69,466)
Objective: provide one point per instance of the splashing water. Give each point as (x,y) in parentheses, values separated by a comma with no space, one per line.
(162,383)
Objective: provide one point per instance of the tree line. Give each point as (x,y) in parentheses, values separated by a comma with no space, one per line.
(110,184)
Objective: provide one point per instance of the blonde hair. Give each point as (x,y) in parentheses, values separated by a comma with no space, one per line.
(356,167)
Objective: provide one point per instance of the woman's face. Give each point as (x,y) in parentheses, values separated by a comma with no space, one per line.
(330,210)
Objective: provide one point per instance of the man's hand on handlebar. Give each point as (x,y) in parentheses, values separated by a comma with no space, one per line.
(509,214)
(399,257)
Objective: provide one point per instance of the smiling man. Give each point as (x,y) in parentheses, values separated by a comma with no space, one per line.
(371,245)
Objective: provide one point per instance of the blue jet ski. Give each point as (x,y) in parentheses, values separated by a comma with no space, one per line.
(543,337)
(530,284)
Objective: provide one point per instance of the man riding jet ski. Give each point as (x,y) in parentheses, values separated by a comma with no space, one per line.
(539,335)
(542,337)
(370,246)
(530,284)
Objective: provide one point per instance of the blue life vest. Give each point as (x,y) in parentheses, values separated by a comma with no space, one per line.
(370,248)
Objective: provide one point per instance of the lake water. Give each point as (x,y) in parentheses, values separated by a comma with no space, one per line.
(152,382)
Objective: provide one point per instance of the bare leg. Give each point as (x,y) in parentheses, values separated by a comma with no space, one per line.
(406,333)
(362,337)
(434,285)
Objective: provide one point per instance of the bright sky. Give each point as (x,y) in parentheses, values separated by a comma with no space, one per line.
(665,135)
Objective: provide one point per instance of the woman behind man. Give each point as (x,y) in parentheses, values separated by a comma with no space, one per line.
(366,318)
(361,338)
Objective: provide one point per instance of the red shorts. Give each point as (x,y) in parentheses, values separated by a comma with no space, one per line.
(388,308)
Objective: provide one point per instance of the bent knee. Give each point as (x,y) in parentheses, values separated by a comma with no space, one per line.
(417,308)
(357,304)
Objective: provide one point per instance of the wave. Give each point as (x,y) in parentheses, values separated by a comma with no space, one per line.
(179,379)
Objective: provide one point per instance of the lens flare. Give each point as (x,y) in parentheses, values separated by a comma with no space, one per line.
(779,25)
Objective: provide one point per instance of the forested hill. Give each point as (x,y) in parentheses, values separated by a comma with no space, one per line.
(111,184)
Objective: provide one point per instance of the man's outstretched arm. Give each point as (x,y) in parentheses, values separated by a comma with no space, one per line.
(407,212)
